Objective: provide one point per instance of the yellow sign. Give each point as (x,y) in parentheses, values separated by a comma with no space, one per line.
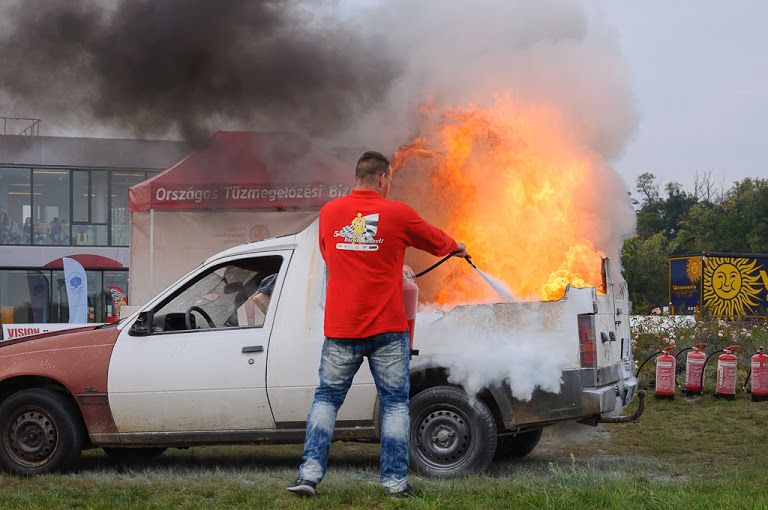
(693,269)
(731,286)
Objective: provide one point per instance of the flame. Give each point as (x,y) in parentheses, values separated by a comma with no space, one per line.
(511,182)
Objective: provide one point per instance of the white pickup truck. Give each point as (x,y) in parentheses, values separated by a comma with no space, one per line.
(208,361)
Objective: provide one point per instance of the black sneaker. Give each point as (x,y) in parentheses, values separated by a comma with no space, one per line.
(303,487)
(409,492)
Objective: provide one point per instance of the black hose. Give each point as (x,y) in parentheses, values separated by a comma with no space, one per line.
(679,353)
(677,365)
(749,374)
(646,361)
(704,367)
(433,266)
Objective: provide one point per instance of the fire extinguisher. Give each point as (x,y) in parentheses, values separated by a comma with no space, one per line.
(665,374)
(759,374)
(694,367)
(726,374)
(411,300)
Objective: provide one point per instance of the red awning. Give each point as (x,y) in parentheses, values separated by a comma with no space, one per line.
(88,261)
(245,170)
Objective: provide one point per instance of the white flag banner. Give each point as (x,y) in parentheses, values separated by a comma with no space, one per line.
(77,291)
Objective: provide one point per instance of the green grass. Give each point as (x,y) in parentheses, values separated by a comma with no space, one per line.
(699,454)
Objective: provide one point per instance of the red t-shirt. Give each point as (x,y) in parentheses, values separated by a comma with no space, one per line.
(363,238)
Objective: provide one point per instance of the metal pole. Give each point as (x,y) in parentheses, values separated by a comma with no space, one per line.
(152,250)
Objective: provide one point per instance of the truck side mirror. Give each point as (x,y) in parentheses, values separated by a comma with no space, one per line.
(143,324)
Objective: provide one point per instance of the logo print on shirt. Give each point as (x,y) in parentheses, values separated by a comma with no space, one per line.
(360,234)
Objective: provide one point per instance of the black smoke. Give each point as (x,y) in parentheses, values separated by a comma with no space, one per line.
(187,66)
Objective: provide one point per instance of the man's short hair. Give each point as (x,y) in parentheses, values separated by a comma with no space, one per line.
(371,164)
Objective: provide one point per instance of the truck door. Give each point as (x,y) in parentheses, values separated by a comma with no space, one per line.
(203,365)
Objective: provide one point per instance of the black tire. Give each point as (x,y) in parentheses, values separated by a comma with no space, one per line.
(518,446)
(451,433)
(42,432)
(134,454)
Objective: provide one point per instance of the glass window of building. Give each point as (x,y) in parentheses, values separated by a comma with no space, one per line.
(121,218)
(90,209)
(99,197)
(60,303)
(95,296)
(115,293)
(80,194)
(50,207)
(24,296)
(15,206)
(89,235)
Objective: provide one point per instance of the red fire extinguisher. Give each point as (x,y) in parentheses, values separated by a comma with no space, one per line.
(759,376)
(665,374)
(726,374)
(694,366)
(411,300)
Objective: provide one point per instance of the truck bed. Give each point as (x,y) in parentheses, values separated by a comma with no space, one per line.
(530,352)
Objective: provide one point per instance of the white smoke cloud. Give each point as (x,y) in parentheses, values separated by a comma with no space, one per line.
(456,52)
(525,345)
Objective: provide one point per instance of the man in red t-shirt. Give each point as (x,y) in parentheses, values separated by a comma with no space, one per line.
(363,238)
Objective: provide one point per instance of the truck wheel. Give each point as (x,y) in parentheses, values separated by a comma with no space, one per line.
(134,454)
(518,446)
(41,432)
(451,433)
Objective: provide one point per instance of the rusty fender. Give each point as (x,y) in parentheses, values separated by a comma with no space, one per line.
(627,419)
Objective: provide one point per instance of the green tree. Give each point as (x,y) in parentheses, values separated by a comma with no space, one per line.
(743,224)
(645,268)
(675,207)
(698,230)
(649,214)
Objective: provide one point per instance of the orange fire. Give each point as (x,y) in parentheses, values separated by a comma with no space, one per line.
(511,182)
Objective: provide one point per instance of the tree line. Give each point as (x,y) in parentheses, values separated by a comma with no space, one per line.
(707,218)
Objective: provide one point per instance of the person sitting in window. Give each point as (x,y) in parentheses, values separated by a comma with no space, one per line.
(5,225)
(55,231)
(264,292)
(39,233)
(64,232)
(28,230)
(82,236)
(253,311)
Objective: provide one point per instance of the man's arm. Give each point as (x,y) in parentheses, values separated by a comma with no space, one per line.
(423,236)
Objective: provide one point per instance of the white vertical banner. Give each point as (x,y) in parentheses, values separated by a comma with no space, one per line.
(77,291)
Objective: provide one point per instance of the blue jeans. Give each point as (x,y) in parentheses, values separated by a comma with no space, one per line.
(388,356)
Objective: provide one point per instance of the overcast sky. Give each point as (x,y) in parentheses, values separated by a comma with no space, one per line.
(699,72)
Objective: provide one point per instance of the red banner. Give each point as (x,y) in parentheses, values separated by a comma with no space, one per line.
(243,196)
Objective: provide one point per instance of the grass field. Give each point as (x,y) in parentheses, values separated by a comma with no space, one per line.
(698,454)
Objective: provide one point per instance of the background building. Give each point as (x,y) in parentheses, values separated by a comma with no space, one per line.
(60,197)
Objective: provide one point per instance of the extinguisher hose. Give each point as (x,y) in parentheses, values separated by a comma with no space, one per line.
(704,367)
(677,365)
(746,381)
(649,358)
(433,266)
(682,351)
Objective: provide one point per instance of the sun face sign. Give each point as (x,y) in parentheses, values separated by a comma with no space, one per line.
(726,281)
(731,286)
(693,269)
